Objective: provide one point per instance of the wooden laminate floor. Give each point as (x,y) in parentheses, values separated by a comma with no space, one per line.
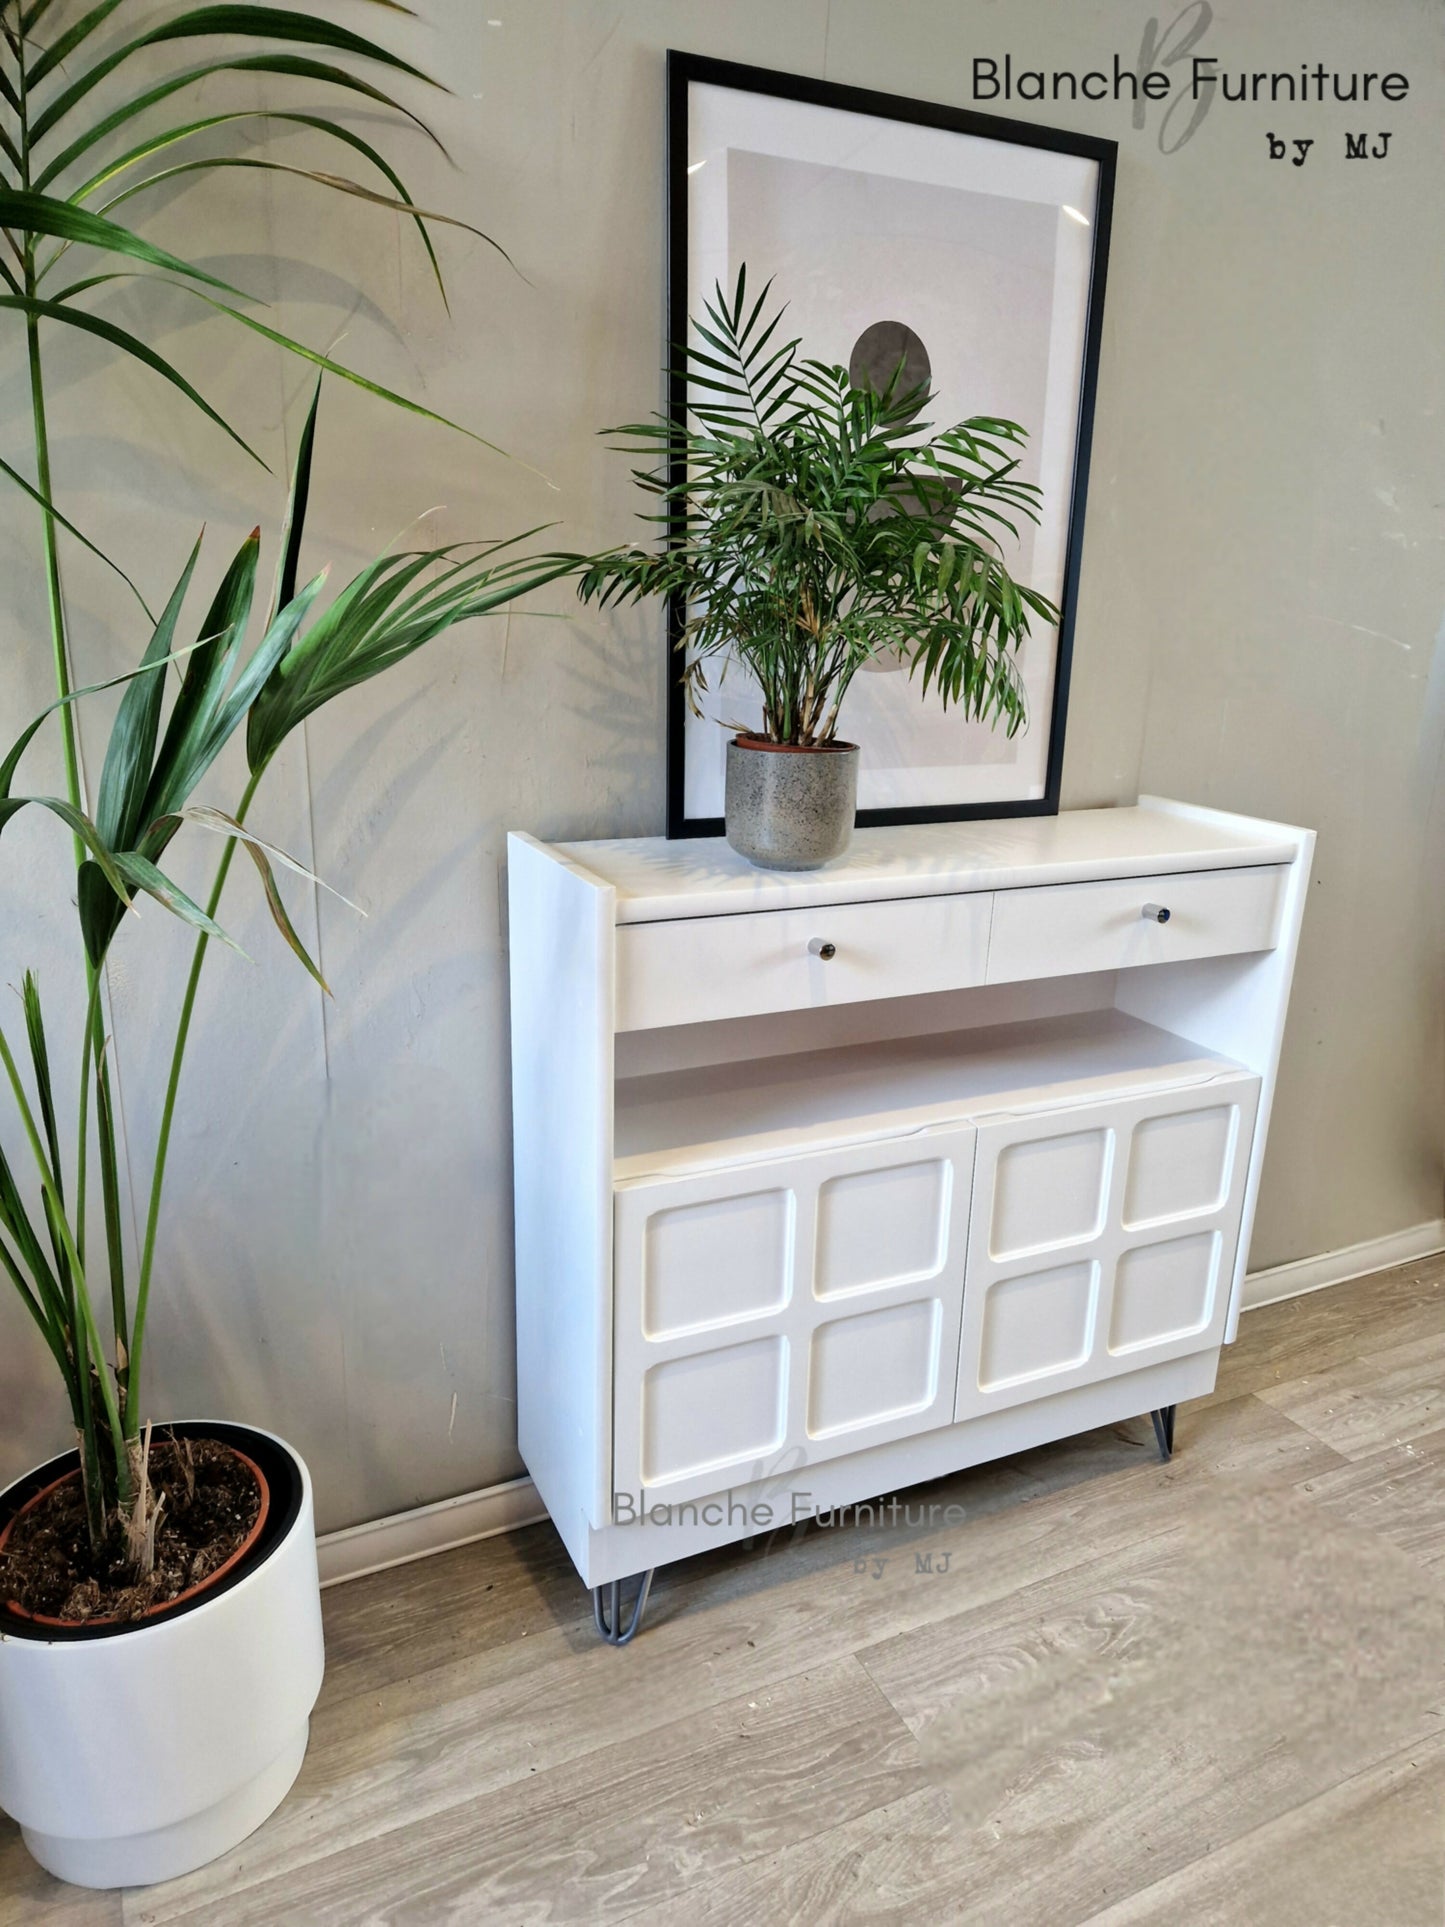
(1212,1691)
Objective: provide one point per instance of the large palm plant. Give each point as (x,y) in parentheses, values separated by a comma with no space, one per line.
(65,167)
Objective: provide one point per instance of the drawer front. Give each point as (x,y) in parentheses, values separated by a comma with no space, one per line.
(772,1316)
(1069,927)
(700,968)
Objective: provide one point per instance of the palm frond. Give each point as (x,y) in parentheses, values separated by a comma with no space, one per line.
(378,619)
(132,345)
(27,213)
(274,24)
(79,535)
(287,66)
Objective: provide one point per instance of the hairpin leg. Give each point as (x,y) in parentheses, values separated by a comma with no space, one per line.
(609,1616)
(1164,1430)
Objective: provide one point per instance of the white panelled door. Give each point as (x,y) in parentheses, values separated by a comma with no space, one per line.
(1103,1239)
(772,1315)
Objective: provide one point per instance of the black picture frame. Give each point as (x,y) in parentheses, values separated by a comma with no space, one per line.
(683,71)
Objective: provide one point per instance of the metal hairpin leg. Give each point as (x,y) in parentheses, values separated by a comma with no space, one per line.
(609,1619)
(1164,1430)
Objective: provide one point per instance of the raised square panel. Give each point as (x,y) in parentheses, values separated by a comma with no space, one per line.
(880,1365)
(713,1409)
(1037,1324)
(881,1227)
(1179,1164)
(1164,1291)
(1048,1191)
(716,1262)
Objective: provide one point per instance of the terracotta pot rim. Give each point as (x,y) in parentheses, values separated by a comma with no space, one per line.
(789,749)
(14,1609)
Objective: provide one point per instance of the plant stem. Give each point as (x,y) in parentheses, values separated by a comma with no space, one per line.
(110,1198)
(82,1330)
(85,1416)
(82,1107)
(93,1055)
(60,652)
(163,1141)
(58,643)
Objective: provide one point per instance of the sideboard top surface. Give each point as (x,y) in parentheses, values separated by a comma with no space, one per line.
(656,879)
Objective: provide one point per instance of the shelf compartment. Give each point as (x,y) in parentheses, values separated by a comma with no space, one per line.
(674,1122)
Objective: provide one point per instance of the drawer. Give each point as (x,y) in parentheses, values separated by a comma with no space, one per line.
(695,969)
(1069,927)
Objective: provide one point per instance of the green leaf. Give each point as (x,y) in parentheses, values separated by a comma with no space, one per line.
(61,49)
(40,1064)
(194,738)
(45,1096)
(143,875)
(73,288)
(126,773)
(259,852)
(131,345)
(278,912)
(15,1221)
(41,214)
(375,622)
(339,183)
(26,736)
(33,14)
(11,152)
(182,759)
(212,819)
(172,136)
(248,22)
(166,137)
(357,381)
(81,826)
(51,1327)
(70,528)
(268,654)
(292,66)
(288,560)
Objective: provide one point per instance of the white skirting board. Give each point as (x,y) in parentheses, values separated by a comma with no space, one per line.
(403,1536)
(393,1541)
(1350,1261)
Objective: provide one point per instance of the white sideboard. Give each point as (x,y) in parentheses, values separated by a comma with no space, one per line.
(832,1182)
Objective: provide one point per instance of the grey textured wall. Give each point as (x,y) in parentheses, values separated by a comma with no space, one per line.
(1259,628)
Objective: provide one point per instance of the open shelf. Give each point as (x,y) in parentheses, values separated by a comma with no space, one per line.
(697,1119)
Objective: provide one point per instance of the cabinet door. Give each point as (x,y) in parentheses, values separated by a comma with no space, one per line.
(1103,1238)
(771,1315)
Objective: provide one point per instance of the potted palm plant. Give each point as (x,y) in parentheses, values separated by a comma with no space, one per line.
(160,1630)
(815,525)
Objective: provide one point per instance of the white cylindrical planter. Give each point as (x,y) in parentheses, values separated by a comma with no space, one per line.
(136,1755)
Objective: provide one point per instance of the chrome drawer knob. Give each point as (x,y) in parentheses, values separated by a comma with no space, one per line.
(1156,913)
(819,947)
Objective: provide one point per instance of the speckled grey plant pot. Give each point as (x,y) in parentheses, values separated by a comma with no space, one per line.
(790,809)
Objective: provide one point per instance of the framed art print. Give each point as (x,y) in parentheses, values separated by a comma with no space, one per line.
(970,249)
